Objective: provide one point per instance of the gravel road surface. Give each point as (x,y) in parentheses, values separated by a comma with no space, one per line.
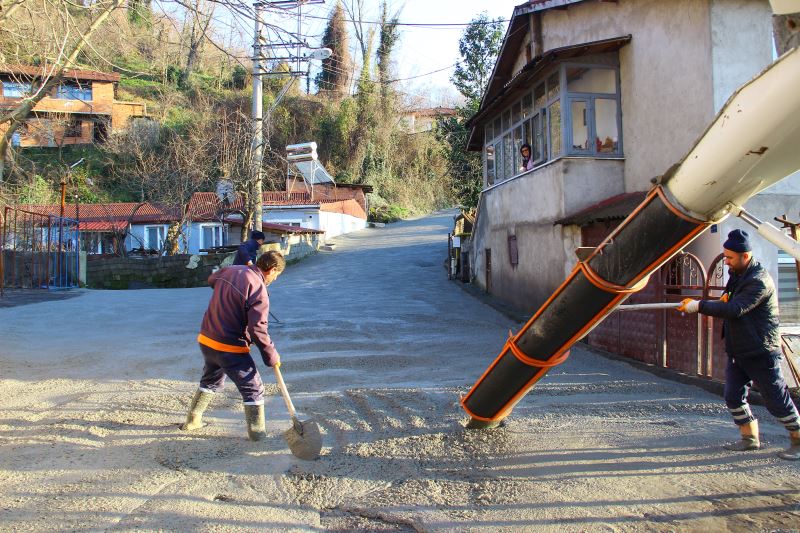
(378,347)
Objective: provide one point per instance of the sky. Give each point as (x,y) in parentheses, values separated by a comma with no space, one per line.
(420,51)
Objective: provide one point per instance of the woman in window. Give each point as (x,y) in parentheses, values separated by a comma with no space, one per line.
(527,161)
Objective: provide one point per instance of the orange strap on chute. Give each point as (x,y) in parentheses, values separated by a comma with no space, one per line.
(538,363)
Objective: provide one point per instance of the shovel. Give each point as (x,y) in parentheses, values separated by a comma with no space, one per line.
(303,438)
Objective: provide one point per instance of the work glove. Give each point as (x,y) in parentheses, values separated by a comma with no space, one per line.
(725,297)
(689,305)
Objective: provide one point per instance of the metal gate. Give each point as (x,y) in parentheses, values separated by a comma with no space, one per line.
(714,356)
(38,251)
(682,277)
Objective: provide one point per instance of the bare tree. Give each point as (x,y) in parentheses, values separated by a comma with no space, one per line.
(57,58)
(200,15)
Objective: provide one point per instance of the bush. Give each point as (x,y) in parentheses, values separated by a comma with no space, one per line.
(387,213)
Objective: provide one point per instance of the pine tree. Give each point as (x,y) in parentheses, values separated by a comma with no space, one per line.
(335,73)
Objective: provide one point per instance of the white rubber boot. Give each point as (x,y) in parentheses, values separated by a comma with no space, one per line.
(749,440)
(200,402)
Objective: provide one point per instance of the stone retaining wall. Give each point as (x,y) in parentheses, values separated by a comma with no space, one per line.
(104,272)
(176,271)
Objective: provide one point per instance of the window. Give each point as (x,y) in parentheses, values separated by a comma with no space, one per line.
(15,89)
(154,237)
(554,114)
(572,110)
(73,129)
(489,158)
(67,91)
(580,125)
(517,145)
(594,110)
(526,106)
(591,80)
(605,120)
(508,157)
(211,235)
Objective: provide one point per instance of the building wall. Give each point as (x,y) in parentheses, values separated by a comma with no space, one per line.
(121,113)
(335,224)
(670,86)
(527,206)
(665,73)
(741,44)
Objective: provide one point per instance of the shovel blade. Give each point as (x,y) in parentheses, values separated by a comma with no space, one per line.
(304,439)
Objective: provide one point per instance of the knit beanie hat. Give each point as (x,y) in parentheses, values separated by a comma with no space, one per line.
(738,241)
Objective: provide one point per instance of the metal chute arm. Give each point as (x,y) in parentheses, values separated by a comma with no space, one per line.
(751,144)
(619,266)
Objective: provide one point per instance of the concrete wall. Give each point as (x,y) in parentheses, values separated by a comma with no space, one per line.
(336,224)
(527,206)
(669,81)
(741,44)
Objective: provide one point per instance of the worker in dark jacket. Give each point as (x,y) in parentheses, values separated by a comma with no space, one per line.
(246,254)
(749,308)
(237,317)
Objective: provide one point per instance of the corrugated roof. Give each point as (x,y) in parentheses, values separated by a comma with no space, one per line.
(207,206)
(614,208)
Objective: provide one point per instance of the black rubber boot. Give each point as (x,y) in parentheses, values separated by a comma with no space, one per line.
(256,428)
(200,402)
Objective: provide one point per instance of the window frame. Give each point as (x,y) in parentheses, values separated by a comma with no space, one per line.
(541,138)
(73,91)
(214,226)
(19,86)
(591,97)
(162,236)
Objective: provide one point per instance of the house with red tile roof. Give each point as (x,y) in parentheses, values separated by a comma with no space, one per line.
(328,211)
(81,109)
(108,228)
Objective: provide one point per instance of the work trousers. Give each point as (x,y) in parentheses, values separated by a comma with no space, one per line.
(240,367)
(765,372)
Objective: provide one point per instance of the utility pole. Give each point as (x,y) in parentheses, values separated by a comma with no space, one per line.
(257,150)
(265,54)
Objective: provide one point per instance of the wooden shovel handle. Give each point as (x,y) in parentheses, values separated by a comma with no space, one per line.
(284,392)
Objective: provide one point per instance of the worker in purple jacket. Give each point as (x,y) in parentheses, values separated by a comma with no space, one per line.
(237,317)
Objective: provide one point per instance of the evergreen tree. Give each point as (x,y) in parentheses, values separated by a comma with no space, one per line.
(335,73)
(479,47)
(386,43)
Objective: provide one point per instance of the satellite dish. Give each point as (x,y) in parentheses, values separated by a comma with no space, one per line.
(226,191)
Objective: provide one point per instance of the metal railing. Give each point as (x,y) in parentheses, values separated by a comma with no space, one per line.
(38,251)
